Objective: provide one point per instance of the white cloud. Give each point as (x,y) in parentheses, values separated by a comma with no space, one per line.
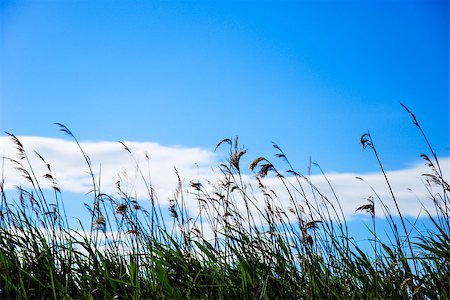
(408,185)
(69,168)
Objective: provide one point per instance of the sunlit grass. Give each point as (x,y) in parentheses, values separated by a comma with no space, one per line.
(240,244)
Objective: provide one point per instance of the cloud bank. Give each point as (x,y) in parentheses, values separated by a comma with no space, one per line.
(111,162)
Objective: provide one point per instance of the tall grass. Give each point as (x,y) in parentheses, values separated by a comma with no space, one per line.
(232,247)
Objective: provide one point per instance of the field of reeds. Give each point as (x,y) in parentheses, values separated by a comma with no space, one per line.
(232,248)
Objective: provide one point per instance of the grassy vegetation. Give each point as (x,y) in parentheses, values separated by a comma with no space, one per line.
(224,252)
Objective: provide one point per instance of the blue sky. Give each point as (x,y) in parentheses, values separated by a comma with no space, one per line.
(311,76)
(174,78)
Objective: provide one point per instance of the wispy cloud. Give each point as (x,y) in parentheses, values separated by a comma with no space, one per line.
(110,162)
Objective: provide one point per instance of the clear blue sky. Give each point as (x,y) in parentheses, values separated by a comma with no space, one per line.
(309,75)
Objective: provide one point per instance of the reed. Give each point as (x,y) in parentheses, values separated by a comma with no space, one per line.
(232,247)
